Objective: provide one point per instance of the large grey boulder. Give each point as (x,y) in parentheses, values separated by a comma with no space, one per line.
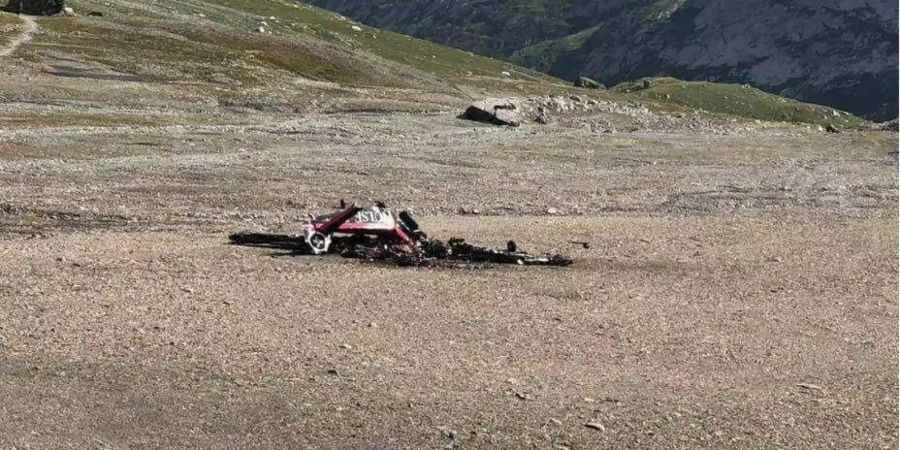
(496,111)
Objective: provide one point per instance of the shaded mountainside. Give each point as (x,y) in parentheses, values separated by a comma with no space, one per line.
(842,53)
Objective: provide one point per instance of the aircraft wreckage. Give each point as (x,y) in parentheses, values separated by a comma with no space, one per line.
(378,234)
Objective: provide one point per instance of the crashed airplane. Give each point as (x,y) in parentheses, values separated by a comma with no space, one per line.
(376,233)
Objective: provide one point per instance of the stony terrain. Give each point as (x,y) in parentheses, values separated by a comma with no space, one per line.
(740,289)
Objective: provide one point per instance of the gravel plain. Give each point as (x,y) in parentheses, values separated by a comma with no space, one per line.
(740,289)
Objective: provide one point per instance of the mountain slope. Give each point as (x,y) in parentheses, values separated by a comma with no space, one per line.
(842,53)
(125,62)
(273,55)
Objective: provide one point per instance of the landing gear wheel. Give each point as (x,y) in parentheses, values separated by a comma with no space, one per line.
(318,243)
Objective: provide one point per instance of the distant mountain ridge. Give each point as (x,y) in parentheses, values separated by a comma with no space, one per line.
(841,53)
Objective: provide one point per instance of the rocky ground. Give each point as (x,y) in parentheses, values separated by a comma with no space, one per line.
(740,289)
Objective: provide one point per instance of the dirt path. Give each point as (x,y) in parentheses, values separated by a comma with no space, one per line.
(31,27)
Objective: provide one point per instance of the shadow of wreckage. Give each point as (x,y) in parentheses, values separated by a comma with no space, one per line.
(376,234)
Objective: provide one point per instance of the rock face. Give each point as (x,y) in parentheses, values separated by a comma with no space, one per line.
(37,7)
(841,53)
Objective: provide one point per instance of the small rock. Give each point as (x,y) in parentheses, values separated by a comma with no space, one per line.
(556,422)
(346,346)
(356,28)
(596,426)
(552,211)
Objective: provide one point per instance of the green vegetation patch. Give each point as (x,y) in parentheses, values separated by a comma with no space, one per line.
(736,100)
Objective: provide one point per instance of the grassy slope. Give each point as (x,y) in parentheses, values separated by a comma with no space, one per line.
(9,26)
(737,100)
(302,40)
(164,61)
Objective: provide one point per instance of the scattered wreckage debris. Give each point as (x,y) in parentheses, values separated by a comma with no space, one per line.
(377,234)
(585,245)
